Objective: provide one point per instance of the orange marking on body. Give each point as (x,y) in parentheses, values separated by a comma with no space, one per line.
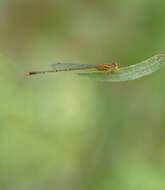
(106,67)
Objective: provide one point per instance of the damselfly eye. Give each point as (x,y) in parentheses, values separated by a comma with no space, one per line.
(115,65)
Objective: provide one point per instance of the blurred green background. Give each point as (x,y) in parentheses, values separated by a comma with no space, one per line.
(61,131)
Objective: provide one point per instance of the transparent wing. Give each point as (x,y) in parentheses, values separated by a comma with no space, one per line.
(72,66)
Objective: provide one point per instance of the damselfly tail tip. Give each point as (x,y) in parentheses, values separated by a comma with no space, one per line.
(27,74)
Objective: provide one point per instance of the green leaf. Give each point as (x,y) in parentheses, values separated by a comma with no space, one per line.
(128,73)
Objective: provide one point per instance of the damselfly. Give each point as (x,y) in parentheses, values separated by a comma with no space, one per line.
(58,67)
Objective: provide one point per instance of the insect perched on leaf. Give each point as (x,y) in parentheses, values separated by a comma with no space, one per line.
(131,72)
(59,67)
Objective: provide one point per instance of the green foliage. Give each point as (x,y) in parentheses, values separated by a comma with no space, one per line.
(61,132)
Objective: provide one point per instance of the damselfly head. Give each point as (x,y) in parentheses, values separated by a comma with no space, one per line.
(115,66)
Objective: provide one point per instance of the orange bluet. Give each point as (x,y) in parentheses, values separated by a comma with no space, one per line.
(59,67)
